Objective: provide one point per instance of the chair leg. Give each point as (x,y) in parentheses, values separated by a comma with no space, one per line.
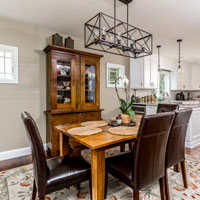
(90,186)
(167,185)
(177,168)
(106,185)
(122,147)
(184,174)
(78,186)
(34,191)
(162,188)
(135,195)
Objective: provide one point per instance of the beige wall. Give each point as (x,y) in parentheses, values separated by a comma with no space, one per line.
(30,93)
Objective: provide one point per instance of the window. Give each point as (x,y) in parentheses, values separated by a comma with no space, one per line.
(8,64)
(164,89)
(114,71)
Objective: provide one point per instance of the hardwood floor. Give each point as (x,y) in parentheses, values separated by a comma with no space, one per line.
(24,160)
(15,162)
(195,152)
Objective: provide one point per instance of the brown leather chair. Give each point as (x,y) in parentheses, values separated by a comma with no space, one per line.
(146,163)
(54,174)
(163,107)
(175,152)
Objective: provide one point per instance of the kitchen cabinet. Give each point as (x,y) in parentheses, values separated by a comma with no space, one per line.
(193,132)
(186,79)
(143,73)
(167,64)
(195,77)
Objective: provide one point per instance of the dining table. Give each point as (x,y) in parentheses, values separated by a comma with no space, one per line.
(97,143)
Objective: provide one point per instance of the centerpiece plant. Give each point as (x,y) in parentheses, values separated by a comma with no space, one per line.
(125,104)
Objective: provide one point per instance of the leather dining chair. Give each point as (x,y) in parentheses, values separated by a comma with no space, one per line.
(163,107)
(146,163)
(54,174)
(175,152)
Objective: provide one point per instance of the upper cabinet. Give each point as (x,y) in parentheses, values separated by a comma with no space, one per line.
(73,80)
(195,80)
(90,84)
(144,73)
(187,79)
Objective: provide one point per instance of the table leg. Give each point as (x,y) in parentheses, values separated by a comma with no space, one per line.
(64,144)
(98,174)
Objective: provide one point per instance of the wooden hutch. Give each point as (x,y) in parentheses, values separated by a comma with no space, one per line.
(73,90)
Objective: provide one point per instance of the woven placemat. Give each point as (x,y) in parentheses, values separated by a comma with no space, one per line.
(123,130)
(94,123)
(84,131)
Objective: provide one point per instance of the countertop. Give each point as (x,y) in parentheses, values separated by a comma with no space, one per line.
(185,104)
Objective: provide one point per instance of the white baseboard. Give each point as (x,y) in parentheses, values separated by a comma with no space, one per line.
(17,153)
(192,144)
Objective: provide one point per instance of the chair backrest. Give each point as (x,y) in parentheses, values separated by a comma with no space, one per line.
(150,149)
(167,107)
(38,153)
(176,143)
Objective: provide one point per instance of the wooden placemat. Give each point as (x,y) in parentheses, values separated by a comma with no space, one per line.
(99,123)
(84,131)
(123,130)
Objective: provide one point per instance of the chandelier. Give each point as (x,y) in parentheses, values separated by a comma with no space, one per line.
(111,35)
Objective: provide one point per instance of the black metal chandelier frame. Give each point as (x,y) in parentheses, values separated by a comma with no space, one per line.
(108,34)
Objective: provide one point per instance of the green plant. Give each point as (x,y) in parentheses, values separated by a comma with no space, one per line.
(126,108)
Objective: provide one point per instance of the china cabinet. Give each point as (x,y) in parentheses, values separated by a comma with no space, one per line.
(73,90)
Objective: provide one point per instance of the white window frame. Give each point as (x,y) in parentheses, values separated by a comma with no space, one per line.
(167,73)
(121,74)
(14,63)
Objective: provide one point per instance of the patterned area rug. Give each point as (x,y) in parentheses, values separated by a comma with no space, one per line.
(16,184)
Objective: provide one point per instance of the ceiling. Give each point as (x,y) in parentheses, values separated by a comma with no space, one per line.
(167,20)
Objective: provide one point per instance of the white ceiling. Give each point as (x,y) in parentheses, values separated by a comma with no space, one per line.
(167,20)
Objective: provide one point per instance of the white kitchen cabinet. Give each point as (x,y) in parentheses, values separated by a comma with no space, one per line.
(187,79)
(184,78)
(193,131)
(168,64)
(195,77)
(143,73)
(151,109)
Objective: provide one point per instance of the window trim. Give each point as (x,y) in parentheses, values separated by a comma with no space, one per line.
(14,60)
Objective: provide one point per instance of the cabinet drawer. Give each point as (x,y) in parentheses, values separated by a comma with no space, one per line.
(89,116)
(63,119)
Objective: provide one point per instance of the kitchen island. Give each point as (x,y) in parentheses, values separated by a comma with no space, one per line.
(193,132)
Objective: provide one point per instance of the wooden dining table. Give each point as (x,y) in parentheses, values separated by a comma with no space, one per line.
(97,143)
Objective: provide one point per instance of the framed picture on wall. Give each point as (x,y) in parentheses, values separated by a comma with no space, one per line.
(115,71)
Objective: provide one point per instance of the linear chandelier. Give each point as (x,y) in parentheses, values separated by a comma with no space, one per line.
(108,34)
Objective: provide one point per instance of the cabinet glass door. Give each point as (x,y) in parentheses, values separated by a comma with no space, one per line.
(90,83)
(63,70)
(64,97)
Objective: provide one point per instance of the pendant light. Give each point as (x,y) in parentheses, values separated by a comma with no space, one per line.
(111,35)
(159,46)
(179,55)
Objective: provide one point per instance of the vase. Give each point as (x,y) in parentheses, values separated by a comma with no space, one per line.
(125,118)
